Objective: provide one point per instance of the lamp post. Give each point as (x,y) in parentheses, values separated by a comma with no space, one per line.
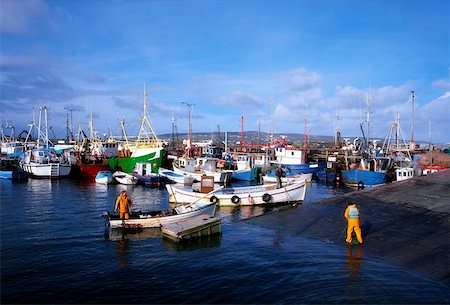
(190,128)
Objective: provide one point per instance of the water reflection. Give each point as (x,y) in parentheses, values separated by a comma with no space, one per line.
(132,233)
(122,251)
(123,238)
(238,213)
(354,253)
(192,244)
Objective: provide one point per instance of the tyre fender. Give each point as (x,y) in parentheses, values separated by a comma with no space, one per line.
(235,199)
(266,197)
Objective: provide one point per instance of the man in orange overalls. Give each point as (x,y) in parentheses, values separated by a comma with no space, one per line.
(124,204)
(352,216)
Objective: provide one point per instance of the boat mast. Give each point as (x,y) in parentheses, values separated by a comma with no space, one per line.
(242,133)
(271,120)
(411,144)
(151,135)
(368,121)
(304,134)
(91,128)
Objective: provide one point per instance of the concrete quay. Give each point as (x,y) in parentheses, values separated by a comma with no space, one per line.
(406,223)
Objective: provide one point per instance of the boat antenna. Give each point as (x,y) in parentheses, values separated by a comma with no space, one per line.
(412,121)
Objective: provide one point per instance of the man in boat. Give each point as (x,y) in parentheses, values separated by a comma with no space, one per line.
(352,215)
(279,173)
(124,204)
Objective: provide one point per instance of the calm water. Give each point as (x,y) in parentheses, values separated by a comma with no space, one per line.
(55,249)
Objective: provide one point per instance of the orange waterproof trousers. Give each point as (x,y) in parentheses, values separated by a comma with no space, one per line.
(353,225)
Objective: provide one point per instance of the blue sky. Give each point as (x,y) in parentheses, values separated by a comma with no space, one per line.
(229,58)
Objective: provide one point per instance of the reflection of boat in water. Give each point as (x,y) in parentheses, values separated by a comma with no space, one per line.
(195,243)
(132,233)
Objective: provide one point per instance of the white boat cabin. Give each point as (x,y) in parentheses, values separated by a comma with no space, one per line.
(404,173)
(288,155)
(143,168)
(244,162)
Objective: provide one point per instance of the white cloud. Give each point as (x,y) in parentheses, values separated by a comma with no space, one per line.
(300,79)
(443,84)
(241,99)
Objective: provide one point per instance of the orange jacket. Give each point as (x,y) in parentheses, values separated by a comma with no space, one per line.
(123,202)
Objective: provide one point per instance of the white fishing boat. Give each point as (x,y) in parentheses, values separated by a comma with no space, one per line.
(124,178)
(41,160)
(176,177)
(199,167)
(104,177)
(249,195)
(160,218)
(289,177)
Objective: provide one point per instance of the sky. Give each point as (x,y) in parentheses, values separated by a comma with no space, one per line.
(273,62)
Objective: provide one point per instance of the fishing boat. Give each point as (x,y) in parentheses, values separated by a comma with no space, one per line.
(157,219)
(41,159)
(175,177)
(361,178)
(9,145)
(124,178)
(143,173)
(146,148)
(10,169)
(197,168)
(90,153)
(104,177)
(246,170)
(294,159)
(266,194)
(326,175)
(289,176)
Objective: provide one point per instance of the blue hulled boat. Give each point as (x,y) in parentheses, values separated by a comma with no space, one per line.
(363,178)
(326,175)
(10,169)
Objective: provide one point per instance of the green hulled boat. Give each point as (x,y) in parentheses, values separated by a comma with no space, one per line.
(127,164)
(146,148)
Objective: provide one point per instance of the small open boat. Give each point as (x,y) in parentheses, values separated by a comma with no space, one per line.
(104,177)
(125,178)
(249,195)
(157,219)
(176,177)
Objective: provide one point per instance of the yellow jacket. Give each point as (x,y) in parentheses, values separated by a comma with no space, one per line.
(123,202)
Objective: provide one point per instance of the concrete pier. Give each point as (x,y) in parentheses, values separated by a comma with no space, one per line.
(195,227)
(406,223)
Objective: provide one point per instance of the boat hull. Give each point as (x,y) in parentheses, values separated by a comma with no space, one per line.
(245,174)
(124,178)
(271,178)
(50,170)
(357,178)
(175,177)
(325,175)
(307,168)
(91,170)
(251,195)
(13,175)
(104,177)
(156,221)
(128,164)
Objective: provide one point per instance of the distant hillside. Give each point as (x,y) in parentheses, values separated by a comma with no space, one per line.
(250,137)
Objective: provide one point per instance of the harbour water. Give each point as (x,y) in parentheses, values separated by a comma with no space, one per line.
(55,249)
